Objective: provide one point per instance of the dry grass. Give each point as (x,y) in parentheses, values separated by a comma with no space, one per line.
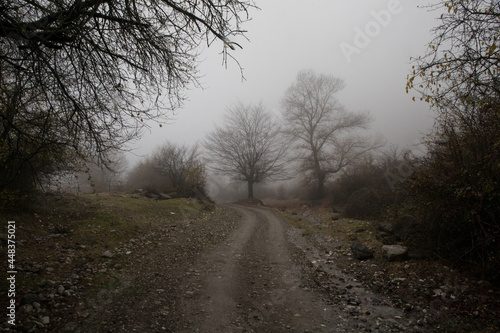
(75,230)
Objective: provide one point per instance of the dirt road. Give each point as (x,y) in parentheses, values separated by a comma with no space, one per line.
(251,283)
(256,279)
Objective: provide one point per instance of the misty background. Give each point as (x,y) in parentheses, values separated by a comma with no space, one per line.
(285,37)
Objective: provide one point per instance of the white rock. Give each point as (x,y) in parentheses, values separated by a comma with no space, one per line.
(60,289)
(395,252)
(107,254)
(27,308)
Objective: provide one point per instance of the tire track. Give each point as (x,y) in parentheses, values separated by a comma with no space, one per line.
(251,284)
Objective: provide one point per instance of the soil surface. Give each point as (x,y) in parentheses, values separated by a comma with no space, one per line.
(258,279)
(243,268)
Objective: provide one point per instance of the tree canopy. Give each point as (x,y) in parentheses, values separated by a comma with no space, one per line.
(462,61)
(81,77)
(320,127)
(248,147)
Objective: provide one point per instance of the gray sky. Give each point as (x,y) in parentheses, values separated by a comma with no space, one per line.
(287,36)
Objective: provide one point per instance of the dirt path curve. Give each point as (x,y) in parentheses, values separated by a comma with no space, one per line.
(260,275)
(252,283)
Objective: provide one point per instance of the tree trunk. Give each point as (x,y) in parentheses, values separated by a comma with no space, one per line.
(250,189)
(320,191)
(318,173)
(320,176)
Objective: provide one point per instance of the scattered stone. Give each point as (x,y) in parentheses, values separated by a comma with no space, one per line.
(29,299)
(352,301)
(395,252)
(45,320)
(151,195)
(360,251)
(60,290)
(29,326)
(163,196)
(107,254)
(26,308)
(438,292)
(404,227)
(84,314)
(70,327)
(399,230)
(386,233)
(386,227)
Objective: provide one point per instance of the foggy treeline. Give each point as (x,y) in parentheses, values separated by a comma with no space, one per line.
(314,140)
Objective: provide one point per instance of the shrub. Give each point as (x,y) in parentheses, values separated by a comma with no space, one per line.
(456,193)
(367,203)
(363,191)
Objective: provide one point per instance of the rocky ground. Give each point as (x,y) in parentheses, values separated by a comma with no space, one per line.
(189,267)
(432,296)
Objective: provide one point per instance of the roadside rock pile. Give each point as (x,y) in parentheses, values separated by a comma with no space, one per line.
(361,252)
(152,195)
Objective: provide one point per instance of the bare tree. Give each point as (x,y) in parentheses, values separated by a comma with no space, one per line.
(110,177)
(145,176)
(81,77)
(462,61)
(322,129)
(248,147)
(182,166)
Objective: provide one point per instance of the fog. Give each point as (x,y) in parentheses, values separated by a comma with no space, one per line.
(366,43)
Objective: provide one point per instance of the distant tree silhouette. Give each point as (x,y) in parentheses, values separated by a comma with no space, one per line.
(321,129)
(248,146)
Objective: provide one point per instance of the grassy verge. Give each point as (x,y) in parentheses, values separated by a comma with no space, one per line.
(63,233)
(322,221)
